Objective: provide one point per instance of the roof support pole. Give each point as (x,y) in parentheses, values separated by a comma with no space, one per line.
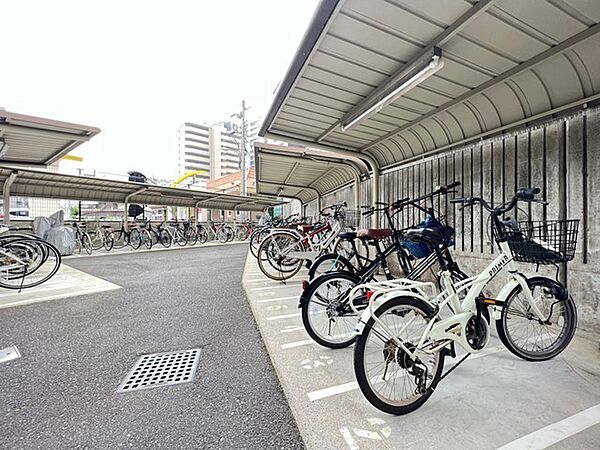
(6,196)
(126,212)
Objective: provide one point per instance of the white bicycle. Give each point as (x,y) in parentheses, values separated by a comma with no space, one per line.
(409,327)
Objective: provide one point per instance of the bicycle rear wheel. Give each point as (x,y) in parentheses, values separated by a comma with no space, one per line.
(388,378)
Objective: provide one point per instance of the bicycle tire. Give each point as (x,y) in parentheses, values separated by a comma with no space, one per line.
(202,234)
(135,239)
(364,379)
(505,323)
(338,340)
(50,250)
(264,250)
(146,239)
(86,241)
(109,241)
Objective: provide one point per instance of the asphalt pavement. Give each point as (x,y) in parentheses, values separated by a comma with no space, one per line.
(62,392)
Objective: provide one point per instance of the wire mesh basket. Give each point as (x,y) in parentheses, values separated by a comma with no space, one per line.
(350,218)
(543,242)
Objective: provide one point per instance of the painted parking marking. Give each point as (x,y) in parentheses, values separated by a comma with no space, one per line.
(297,344)
(310,341)
(353,436)
(322,361)
(284,316)
(276,307)
(353,385)
(272,287)
(291,328)
(268,300)
(556,432)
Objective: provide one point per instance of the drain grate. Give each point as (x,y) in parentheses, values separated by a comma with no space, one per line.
(161,369)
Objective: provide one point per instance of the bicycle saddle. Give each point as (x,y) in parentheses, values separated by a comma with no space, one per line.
(348,235)
(374,233)
(429,235)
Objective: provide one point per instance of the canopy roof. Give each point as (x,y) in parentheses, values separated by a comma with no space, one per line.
(34,140)
(302,173)
(506,62)
(37,183)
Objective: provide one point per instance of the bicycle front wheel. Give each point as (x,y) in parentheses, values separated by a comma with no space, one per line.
(86,242)
(387,376)
(273,259)
(326,313)
(528,337)
(135,239)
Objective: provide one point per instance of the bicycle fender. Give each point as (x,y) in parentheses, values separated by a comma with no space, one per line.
(555,286)
(366,314)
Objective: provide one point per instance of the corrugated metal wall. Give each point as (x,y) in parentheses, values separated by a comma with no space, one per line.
(561,157)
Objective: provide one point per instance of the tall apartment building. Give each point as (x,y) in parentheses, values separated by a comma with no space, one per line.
(193,150)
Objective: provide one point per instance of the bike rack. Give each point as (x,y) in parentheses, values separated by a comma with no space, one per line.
(6,195)
(126,212)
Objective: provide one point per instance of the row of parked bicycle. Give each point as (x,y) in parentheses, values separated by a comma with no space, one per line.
(26,260)
(91,236)
(405,327)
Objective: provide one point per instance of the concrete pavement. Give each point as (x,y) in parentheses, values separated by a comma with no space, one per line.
(493,399)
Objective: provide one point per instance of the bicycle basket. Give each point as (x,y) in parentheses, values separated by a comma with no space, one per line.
(543,241)
(350,218)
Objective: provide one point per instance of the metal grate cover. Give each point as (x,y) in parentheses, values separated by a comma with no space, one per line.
(161,369)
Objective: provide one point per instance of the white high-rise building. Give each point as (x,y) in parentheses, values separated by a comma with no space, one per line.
(212,148)
(193,150)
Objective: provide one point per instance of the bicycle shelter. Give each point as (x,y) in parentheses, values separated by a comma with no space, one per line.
(304,173)
(37,183)
(356,87)
(29,141)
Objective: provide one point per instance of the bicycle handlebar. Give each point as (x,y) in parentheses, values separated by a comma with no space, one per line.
(522,194)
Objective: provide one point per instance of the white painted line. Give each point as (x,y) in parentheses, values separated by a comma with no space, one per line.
(272,287)
(253,280)
(9,353)
(309,341)
(60,296)
(297,344)
(347,435)
(331,391)
(284,316)
(290,329)
(277,299)
(346,387)
(556,432)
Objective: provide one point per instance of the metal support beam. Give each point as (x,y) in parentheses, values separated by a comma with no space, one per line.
(375,188)
(6,196)
(126,212)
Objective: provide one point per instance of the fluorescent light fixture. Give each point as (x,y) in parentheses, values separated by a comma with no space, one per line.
(407,82)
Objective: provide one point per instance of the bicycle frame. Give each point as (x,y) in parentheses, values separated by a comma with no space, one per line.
(450,329)
(307,240)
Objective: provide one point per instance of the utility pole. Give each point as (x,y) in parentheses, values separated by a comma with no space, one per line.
(243,151)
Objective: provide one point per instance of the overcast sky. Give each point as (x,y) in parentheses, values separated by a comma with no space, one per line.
(138,69)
